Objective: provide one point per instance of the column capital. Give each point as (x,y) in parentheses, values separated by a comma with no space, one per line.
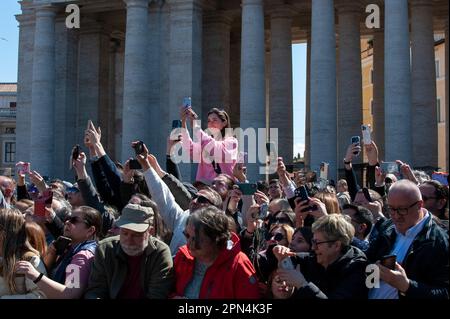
(281,11)
(349,6)
(185,4)
(252,2)
(137,3)
(46,11)
(25,19)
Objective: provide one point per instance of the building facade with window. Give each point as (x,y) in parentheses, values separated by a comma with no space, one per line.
(369,109)
(8,100)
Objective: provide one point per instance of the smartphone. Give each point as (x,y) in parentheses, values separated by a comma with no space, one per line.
(247,188)
(23,168)
(287,264)
(440,177)
(75,152)
(61,244)
(41,202)
(391,168)
(389,261)
(301,193)
(367,139)
(134,164)
(324,170)
(263,211)
(356,140)
(187,102)
(176,124)
(139,148)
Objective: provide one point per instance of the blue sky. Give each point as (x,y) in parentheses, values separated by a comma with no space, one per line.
(9,42)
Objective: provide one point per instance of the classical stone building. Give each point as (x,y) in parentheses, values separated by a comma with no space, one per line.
(132,61)
(8,100)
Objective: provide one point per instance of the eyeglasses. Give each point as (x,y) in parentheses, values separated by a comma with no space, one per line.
(188,237)
(316,243)
(425,198)
(401,211)
(76,220)
(203,200)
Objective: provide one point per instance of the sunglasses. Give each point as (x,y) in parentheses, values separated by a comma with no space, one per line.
(76,220)
(275,237)
(203,200)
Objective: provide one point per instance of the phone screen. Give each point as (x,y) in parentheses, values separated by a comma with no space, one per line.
(187,102)
(247,188)
(75,152)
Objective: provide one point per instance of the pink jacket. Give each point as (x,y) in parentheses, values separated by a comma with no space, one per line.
(204,149)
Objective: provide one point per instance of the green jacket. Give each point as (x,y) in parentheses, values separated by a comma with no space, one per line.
(109,270)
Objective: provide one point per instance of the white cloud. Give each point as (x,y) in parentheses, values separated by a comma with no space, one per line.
(299,148)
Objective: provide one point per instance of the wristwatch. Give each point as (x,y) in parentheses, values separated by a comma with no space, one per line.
(347,163)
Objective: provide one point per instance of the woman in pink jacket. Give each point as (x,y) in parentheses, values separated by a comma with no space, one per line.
(214,149)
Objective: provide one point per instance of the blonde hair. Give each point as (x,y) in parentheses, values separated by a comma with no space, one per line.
(335,227)
(14,244)
(330,200)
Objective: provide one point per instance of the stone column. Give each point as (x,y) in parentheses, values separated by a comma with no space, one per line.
(135,118)
(323,87)
(280,107)
(253,74)
(119,59)
(397,83)
(154,58)
(235,77)
(216,62)
(424,111)
(307,153)
(349,76)
(24,79)
(65,114)
(378,92)
(43,92)
(93,76)
(185,62)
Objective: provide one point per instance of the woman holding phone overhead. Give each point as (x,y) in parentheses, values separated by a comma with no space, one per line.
(215,149)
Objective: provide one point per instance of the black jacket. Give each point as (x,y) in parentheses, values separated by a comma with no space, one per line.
(426,262)
(343,279)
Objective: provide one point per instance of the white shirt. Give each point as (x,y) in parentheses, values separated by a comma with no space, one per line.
(401,246)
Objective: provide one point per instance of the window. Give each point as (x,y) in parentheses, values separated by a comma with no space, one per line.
(371,76)
(437,69)
(440,118)
(10,152)
(371,107)
(10,130)
(12,104)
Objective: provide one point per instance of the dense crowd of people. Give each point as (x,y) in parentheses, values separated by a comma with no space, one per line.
(130,233)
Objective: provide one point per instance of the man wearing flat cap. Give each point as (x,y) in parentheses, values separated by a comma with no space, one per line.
(133,265)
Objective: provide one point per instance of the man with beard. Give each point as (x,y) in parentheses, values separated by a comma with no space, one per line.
(133,265)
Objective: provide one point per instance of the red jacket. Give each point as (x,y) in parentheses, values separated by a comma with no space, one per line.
(231,276)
